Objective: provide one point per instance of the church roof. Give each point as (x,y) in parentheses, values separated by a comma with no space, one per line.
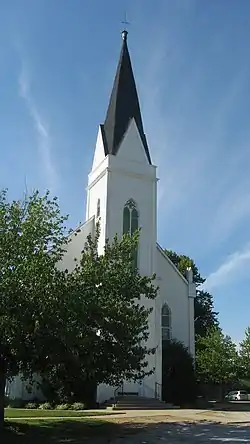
(123,105)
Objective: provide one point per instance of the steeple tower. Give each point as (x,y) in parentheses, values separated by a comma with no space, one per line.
(123,106)
(122,182)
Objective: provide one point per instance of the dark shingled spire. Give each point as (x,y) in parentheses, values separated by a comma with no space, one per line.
(123,105)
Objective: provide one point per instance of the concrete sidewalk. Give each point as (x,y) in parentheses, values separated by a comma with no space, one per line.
(178,415)
(184,415)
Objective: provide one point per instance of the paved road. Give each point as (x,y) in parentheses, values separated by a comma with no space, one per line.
(184,433)
(190,427)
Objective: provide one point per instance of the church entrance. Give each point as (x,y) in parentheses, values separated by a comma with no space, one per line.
(130,388)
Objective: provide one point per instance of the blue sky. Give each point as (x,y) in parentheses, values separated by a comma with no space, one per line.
(191,62)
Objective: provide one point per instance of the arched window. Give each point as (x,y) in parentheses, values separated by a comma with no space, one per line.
(166,323)
(98,208)
(130,217)
(130,221)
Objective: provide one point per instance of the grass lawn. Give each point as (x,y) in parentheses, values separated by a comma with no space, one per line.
(38,413)
(57,431)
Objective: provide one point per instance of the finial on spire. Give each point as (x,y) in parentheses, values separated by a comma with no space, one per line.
(125,32)
(124,35)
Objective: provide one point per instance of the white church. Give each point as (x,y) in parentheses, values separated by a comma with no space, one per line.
(122,196)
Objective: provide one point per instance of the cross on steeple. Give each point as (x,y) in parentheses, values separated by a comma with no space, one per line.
(125,32)
(125,21)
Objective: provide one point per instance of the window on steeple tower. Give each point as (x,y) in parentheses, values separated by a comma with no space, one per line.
(130,217)
(130,221)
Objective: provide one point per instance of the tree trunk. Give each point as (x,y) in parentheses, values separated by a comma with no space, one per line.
(2,395)
(86,392)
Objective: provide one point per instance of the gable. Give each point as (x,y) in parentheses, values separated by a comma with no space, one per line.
(131,147)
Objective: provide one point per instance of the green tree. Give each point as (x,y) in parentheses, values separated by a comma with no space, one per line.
(89,323)
(204,314)
(244,354)
(31,239)
(182,262)
(216,359)
(178,376)
(107,318)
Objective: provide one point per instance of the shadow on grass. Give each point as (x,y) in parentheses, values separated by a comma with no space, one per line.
(66,430)
(142,430)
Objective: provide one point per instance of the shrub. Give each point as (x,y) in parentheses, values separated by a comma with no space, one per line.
(78,406)
(178,376)
(32,405)
(16,403)
(66,390)
(63,407)
(46,406)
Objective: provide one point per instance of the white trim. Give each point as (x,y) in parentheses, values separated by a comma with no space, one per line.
(91,184)
(98,166)
(81,226)
(171,263)
(143,176)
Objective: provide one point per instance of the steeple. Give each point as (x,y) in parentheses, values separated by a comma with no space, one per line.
(123,105)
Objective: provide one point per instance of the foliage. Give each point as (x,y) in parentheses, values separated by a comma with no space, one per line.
(182,262)
(63,407)
(51,319)
(78,406)
(244,355)
(31,239)
(46,406)
(16,403)
(216,359)
(104,315)
(204,314)
(31,405)
(178,376)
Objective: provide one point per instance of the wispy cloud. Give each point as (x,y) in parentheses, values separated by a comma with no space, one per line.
(42,131)
(200,170)
(227,216)
(234,267)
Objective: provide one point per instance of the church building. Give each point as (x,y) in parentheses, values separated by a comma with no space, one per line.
(122,196)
